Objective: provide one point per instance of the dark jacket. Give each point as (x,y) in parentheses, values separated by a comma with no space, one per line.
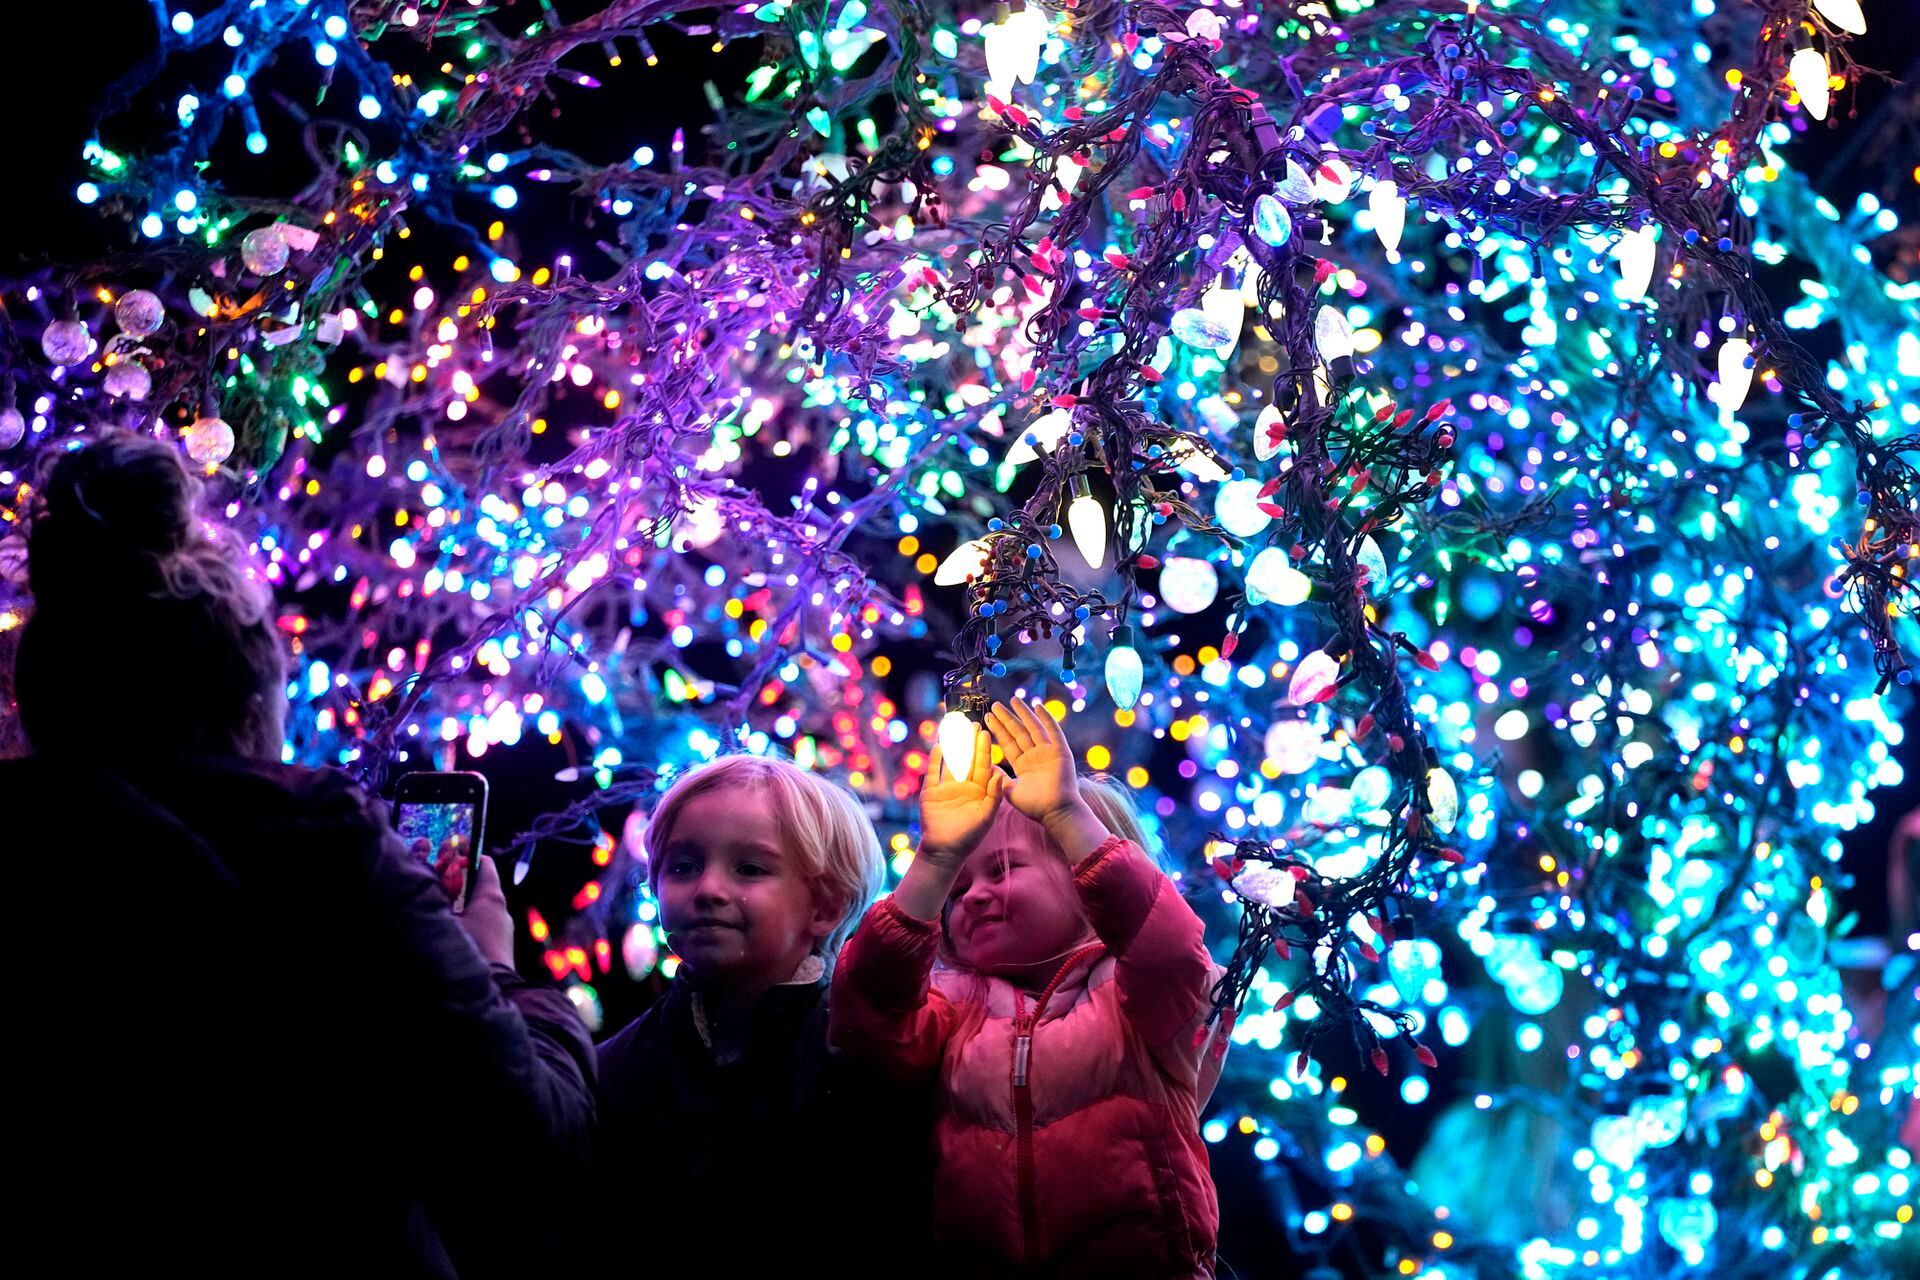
(256,1041)
(756,1167)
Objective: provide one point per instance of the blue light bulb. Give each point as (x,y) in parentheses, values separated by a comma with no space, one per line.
(1124,671)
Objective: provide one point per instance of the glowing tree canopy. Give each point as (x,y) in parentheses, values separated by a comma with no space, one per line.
(1371,423)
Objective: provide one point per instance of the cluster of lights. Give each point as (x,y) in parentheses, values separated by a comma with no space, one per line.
(1653,623)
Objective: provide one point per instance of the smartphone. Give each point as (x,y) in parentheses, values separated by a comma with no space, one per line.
(442,818)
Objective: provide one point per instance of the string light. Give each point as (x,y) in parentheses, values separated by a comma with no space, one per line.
(1389,209)
(957,736)
(1088,521)
(1124,671)
(1807,71)
(1464,612)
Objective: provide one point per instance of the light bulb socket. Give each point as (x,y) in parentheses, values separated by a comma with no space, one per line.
(1078,488)
(1266,134)
(1121,637)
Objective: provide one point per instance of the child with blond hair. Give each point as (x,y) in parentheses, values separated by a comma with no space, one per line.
(1064,1024)
(722,1109)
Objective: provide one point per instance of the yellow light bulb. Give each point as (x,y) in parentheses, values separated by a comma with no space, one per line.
(957,732)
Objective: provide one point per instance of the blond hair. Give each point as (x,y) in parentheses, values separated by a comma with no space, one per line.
(819,823)
(1112,803)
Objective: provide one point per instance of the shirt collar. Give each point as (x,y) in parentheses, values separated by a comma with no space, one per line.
(811,970)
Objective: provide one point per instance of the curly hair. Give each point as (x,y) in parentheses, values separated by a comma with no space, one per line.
(150,629)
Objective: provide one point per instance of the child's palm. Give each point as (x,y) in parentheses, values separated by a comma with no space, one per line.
(955,812)
(1035,746)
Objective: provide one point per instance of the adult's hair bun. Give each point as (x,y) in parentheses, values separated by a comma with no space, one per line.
(115,508)
(116,551)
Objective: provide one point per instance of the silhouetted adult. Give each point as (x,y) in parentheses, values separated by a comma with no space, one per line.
(251,1036)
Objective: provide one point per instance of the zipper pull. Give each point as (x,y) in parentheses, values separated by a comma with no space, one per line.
(1021,1047)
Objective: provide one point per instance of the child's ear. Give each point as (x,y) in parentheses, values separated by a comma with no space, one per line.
(827,910)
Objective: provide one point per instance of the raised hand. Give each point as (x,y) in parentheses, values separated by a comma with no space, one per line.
(1045,786)
(954,812)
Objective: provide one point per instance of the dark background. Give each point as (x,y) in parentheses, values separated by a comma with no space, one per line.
(62,59)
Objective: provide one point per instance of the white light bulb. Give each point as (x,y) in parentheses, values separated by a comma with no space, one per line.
(1635,252)
(968,560)
(1332,181)
(209,440)
(1222,304)
(1294,747)
(1067,171)
(1370,789)
(1030,25)
(1199,463)
(1389,213)
(1047,430)
(1272,577)
(1443,800)
(1374,561)
(1295,188)
(1807,72)
(1332,335)
(1269,886)
(999,49)
(1013,48)
(1162,354)
(1250,285)
(957,732)
(1269,430)
(1237,507)
(1188,585)
(1315,677)
(1736,376)
(1844,14)
(1141,527)
(1088,521)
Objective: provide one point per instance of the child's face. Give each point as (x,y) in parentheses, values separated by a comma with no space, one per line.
(738,909)
(1014,906)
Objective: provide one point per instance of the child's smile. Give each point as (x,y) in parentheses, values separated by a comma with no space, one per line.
(1016,871)
(737,907)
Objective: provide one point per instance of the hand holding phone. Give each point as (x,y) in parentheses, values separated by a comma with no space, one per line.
(442,819)
(487,920)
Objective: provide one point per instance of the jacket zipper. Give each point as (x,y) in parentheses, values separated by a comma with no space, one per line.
(1024,1021)
(1023,1124)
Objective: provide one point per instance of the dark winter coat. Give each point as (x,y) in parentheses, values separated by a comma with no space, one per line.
(792,1160)
(255,1041)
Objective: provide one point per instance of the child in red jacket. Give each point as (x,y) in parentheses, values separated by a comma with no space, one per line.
(1063,1027)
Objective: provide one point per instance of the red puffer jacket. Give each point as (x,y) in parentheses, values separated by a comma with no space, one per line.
(1068,1140)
